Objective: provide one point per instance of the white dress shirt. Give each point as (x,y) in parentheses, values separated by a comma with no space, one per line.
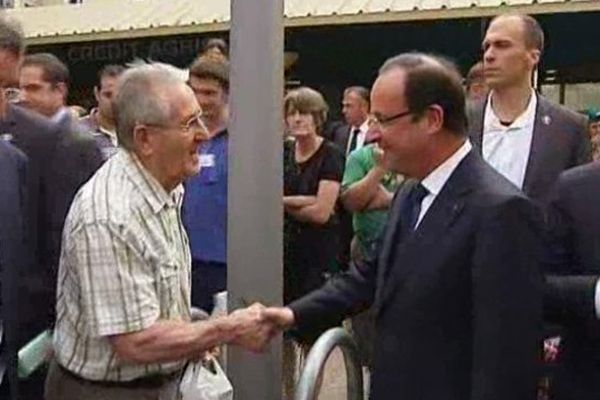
(506,148)
(435,181)
(597,299)
(360,139)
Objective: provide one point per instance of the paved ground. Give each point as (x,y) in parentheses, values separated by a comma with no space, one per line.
(334,378)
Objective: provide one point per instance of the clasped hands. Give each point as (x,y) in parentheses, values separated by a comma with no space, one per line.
(253,327)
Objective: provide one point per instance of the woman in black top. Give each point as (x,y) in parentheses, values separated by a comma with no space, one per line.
(312,178)
(313,169)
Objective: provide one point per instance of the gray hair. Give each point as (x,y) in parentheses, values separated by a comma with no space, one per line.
(360,91)
(11,36)
(143,98)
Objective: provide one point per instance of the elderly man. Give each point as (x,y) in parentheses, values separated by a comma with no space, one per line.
(123,329)
(58,164)
(455,287)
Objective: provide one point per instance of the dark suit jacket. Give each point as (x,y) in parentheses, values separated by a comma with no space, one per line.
(13,258)
(60,161)
(458,303)
(338,133)
(573,266)
(560,141)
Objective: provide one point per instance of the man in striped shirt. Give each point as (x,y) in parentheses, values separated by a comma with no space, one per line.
(123,327)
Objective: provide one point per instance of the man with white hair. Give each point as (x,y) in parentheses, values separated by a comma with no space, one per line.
(123,327)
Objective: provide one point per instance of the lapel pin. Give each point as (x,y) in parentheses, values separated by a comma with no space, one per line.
(546,120)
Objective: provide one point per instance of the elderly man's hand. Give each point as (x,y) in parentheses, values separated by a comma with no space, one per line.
(252,330)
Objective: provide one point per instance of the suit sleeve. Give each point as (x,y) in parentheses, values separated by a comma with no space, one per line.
(558,255)
(583,153)
(345,294)
(507,302)
(91,159)
(568,295)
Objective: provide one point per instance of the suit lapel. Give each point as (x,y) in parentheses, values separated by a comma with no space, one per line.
(442,214)
(541,129)
(390,238)
(393,227)
(339,136)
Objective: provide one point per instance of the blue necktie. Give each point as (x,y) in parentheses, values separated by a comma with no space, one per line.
(411,208)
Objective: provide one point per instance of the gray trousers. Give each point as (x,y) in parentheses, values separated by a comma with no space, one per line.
(62,386)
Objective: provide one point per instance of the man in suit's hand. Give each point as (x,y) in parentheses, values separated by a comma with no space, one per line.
(280,317)
(258,325)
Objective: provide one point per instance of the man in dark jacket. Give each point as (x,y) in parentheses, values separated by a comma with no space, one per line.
(454,319)
(60,160)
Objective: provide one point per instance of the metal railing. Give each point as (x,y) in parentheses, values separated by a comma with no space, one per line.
(315,362)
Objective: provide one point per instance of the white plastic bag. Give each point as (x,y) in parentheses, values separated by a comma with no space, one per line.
(205,380)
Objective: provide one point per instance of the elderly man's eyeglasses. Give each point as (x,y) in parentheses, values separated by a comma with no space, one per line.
(381,121)
(192,125)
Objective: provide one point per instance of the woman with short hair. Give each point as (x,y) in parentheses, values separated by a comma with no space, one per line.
(312,175)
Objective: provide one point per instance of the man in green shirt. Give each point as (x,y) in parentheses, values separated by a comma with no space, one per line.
(367,191)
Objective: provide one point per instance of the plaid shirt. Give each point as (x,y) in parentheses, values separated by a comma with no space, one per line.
(125,264)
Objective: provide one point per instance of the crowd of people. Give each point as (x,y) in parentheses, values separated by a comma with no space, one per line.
(451,223)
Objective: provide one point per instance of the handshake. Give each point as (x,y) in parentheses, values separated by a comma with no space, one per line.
(252,328)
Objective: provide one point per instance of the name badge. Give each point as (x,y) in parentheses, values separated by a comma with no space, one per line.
(207,160)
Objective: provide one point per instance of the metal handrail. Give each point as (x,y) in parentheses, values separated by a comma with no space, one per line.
(315,362)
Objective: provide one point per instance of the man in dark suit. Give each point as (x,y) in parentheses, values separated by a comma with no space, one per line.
(59,162)
(349,135)
(352,133)
(572,295)
(525,137)
(13,261)
(71,161)
(455,286)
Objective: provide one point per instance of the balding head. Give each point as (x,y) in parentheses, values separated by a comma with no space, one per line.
(431,80)
(532,33)
(512,48)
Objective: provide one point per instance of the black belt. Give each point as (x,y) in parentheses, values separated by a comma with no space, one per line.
(154,381)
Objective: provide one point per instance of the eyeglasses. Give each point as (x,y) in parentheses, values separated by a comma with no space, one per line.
(192,125)
(382,122)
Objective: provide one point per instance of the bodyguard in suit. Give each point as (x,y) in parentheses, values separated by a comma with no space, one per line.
(456,285)
(13,261)
(75,155)
(572,295)
(351,134)
(525,137)
(59,162)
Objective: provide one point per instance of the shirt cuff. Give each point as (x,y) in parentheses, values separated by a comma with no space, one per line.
(597,299)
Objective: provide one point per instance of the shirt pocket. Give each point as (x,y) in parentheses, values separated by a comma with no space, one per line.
(169,289)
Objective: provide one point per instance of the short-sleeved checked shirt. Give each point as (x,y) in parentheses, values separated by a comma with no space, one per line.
(125,264)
